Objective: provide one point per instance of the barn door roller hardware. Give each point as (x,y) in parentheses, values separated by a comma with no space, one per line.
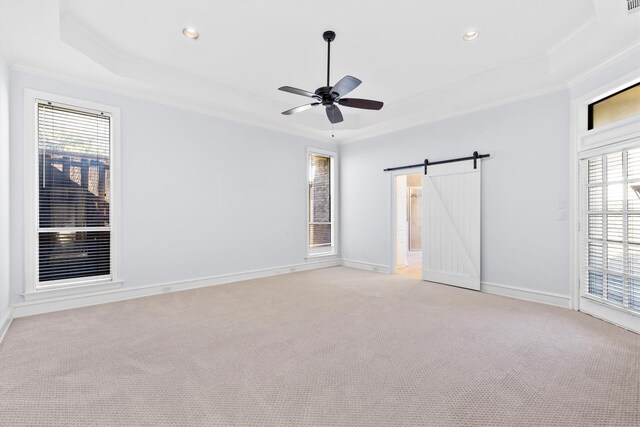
(426,162)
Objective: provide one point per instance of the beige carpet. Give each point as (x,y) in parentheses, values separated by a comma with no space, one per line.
(328,347)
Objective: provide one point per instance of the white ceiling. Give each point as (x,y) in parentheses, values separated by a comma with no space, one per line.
(409,54)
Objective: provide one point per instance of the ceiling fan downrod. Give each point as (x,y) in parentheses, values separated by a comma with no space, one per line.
(328,36)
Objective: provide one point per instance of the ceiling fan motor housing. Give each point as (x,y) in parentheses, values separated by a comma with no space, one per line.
(328,98)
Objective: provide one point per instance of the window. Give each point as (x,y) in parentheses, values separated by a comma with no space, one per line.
(620,105)
(320,206)
(605,210)
(72,206)
(611,238)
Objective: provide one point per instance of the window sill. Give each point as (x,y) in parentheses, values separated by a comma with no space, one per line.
(324,255)
(84,289)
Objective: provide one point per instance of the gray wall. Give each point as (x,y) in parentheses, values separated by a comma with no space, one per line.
(203,196)
(200,196)
(4,190)
(524,243)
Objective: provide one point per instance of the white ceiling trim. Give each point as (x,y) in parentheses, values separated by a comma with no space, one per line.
(167,101)
(342,135)
(408,124)
(571,37)
(633,49)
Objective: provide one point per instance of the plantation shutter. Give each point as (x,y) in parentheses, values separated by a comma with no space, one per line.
(74,194)
(611,231)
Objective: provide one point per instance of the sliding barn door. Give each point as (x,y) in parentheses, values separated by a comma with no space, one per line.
(451,224)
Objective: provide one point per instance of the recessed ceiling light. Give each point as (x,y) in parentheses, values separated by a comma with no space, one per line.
(470,35)
(190,33)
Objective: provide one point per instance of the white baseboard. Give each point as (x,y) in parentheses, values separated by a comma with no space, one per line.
(67,302)
(378,268)
(489,288)
(5,321)
(527,294)
(30,308)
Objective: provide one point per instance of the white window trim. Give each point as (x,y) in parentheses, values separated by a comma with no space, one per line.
(585,143)
(73,286)
(324,251)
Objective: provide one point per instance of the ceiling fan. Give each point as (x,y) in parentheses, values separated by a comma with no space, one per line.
(332,96)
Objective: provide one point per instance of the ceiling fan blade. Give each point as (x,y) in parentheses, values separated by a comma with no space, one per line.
(346,85)
(367,104)
(300,108)
(298,91)
(334,114)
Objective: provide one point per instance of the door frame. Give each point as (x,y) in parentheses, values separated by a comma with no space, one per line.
(392,208)
(583,140)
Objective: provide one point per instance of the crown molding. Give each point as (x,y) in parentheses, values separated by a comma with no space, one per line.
(387,127)
(618,57)
(409,123)
(578,31)
(169,101)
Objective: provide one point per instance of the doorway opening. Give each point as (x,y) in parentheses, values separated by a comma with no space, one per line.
(408,209)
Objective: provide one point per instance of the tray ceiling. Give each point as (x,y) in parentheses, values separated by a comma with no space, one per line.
(409,54)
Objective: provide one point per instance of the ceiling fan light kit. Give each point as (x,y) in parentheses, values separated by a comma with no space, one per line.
(332,96)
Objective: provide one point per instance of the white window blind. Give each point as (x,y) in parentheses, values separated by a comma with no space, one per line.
(74,194)
(611,231)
